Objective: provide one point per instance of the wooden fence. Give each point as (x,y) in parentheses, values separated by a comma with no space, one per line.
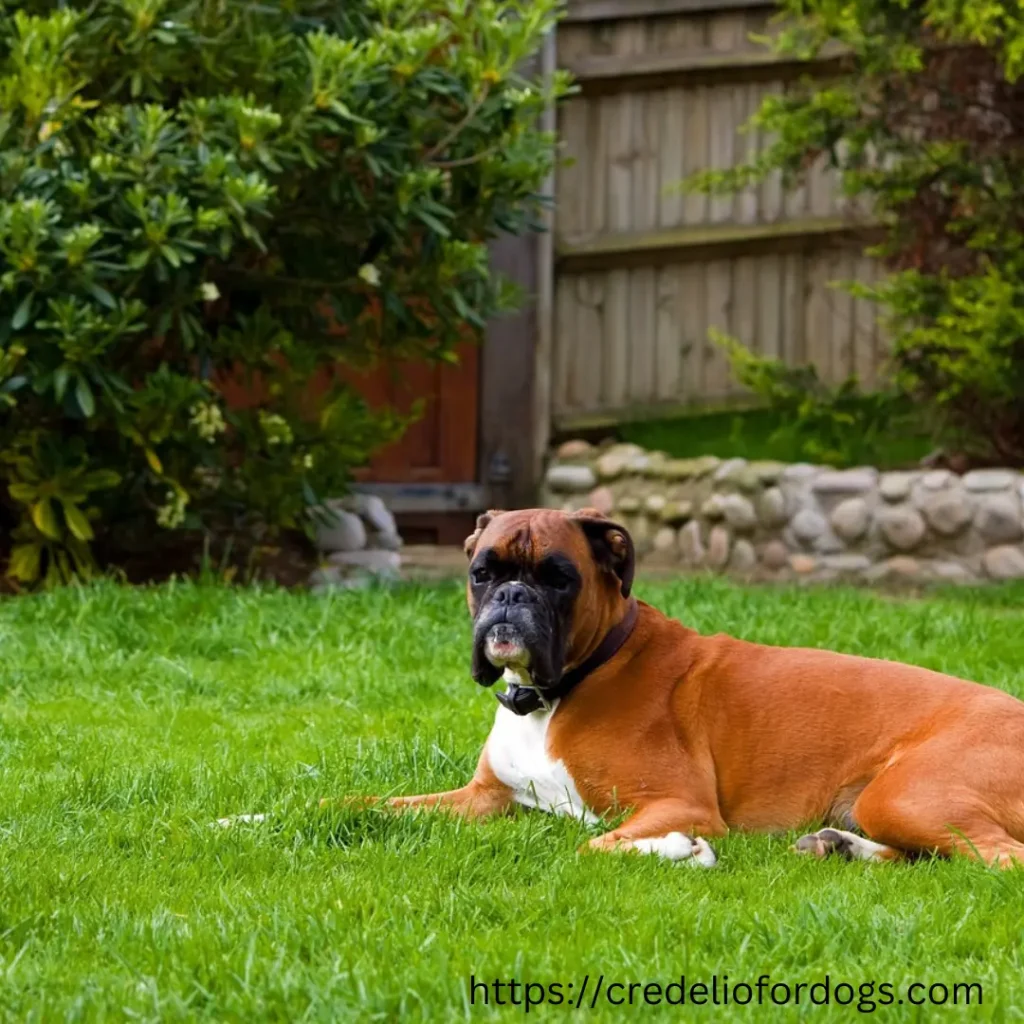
(641,271)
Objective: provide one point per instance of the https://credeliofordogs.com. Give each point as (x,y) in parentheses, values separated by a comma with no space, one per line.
(592,991)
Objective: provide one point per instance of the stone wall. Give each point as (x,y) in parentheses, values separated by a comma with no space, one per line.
(773,521)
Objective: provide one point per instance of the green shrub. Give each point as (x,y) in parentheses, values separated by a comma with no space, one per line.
(924,126)
(197,194)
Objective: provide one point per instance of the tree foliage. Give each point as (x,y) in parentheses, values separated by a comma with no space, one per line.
(925,124)
(198,192)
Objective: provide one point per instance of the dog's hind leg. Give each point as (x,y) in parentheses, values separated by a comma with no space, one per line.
(840,842)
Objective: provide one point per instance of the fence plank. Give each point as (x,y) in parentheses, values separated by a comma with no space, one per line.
(669,340)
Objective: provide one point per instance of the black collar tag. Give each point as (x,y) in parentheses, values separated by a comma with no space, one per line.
(523,700)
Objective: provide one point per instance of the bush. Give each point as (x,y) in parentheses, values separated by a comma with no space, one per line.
(203,194)
(925,125)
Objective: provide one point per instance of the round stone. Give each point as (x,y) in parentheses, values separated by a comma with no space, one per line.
(896,486)
(952,572)
(574,451)
(655,503)
(378,563)
(1004,563)
(848,481)
(799,472)
(602,499)
(903,528)
(803,564)
(665,541)
(691,546)
(937,479)
(712,508)
(808,524)
(947,512)
(850,519)
(900,569)
(998,518)
(629,503)
(571,479)
(989,480)
(676,512)
(339,530)
(718,547)
(847,564)
(774,554)
(372,509)
(612,464)
(743,558)
(771,507)
(728,469)
(739,512)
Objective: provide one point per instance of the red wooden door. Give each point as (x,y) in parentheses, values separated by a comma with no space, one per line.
(439,447)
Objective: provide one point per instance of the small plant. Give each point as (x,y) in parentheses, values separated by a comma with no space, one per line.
(842,425)
(205,210)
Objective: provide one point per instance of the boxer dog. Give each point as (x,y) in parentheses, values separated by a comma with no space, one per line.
(612,707)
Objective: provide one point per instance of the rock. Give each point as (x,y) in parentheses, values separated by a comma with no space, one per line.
(808,525)
(771,507)
(847,563)
(655,503)
(675,513)
(947,512)
(628,503)
(718,547)
(899,569)
(376,562)
(679,469)
(602,499)
(803,564)
(739,512)
(746,479)
(574,451)
(850,519)
(713,507)
(571,479)
(339,530)
(727,470)
(706,464)
(373,511)
(665,541)
(691,546)
(1004,563)
(952,572)
(799,472)
(937,479)
(612,465)
(847,481)
(743,559)
(902,527)
(767,472)
(989,480)
(639,464)
(774,555)
(896,486)
(998,519)
(384,541)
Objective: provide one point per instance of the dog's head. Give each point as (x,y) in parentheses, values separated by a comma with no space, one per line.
(544,588)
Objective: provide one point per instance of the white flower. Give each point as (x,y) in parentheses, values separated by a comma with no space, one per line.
(207,420)
(370,274)
(209,291)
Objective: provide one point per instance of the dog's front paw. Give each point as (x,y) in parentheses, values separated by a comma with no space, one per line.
(673,846)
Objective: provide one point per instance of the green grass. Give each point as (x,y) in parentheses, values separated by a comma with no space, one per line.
(756,434)
(131,718)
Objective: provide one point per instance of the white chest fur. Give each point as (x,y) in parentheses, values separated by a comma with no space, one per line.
(518,751)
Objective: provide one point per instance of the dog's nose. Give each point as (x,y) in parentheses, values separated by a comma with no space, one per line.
(514,593)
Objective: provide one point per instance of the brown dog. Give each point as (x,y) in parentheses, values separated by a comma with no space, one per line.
(612,706)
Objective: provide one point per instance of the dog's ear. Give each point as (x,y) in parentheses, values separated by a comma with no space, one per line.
(611,544)
(482,522)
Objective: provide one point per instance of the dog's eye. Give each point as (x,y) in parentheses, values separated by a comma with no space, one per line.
(557,578)
(481,576)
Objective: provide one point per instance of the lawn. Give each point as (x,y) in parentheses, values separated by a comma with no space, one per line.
(132,718)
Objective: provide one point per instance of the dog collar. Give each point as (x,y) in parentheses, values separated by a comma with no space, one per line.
(523,700)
